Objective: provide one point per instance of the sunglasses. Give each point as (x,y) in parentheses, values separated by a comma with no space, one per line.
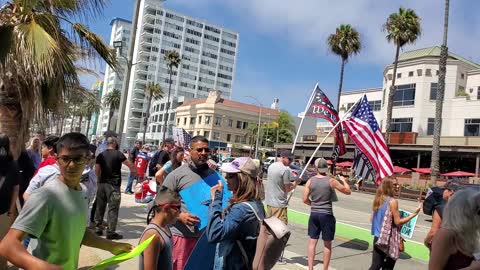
(77,160)
(230,175)
(175,206)
(200,150)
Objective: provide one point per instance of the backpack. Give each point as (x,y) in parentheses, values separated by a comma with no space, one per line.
(152,166)
(432,201)
(271,242)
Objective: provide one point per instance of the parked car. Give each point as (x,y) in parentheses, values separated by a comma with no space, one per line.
(268,161)
(226,160)
(296,171)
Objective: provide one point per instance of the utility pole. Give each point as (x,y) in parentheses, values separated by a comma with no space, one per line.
(126,81)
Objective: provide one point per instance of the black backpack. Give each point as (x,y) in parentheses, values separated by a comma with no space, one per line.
(152,167)
(433,200)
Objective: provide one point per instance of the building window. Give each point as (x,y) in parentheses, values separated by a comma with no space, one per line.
(478,92)
(200,120)
(399,75)
(433,91)
(230,121)
(375,104)
(349,105)
(162,106)
(404,95)
(160,117)
(239,124)
(206,134)
(178,121)
(154,129)
(430,126)
(191,133)
(472,127)
(402,124)
(428,72)
(208,119)
(462,76)
(410,74)
(216,136)
(218,121)
(245,125)
(419,72)
(192,120)
(229,137)
(185,121)
(437,72)
(172,116)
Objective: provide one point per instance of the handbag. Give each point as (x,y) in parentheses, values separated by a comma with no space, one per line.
(271,242)
(389,240)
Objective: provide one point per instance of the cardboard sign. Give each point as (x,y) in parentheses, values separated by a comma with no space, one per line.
(409,227)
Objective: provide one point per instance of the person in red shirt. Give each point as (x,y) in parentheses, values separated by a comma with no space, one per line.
(48,152)
(143,192)
(141,163)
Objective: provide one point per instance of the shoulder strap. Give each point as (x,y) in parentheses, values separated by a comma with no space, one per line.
(254,211)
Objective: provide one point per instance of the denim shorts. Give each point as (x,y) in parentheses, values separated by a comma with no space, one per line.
(320,223)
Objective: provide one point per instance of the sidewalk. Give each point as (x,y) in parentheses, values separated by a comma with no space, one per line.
(131,222)
(353,253)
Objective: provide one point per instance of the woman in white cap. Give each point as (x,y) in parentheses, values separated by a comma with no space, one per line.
(318,193)
(236,228)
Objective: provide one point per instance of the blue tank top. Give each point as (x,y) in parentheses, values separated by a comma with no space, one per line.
(377,219)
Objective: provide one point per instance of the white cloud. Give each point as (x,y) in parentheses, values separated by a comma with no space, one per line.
(307,23)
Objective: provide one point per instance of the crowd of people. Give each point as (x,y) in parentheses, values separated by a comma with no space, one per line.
(64,192)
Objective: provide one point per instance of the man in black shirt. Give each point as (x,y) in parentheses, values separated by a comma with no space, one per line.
(108,169)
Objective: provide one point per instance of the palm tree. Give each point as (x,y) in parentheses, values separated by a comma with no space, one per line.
(402,28)
(91,106)
(437,127)
(37,58)
(154,91)
(344,43)
(173,61)
(112,101)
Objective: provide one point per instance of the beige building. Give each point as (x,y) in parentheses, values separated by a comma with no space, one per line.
(224,122)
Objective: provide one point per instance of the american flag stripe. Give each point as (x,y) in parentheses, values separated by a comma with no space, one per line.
(363,129)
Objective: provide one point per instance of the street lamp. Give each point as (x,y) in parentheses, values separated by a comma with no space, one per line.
(258,126)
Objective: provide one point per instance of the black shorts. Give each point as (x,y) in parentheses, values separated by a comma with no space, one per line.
(321,223)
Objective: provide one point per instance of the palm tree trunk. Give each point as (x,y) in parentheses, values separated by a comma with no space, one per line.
(88,125)
(437,127)
(61,126)
(147,116)
(110,114)
(11,125)
(168,105)
(391,94)
(80,124)
(342,69)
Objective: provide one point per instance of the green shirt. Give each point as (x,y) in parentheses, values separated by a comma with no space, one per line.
(56,216)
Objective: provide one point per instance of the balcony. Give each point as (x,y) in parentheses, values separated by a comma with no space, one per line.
(137,109)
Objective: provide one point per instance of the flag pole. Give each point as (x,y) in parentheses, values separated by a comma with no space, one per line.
(324,139)
(303,117)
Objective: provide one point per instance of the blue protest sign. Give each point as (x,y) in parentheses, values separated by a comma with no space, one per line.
(409,227)
(198,195)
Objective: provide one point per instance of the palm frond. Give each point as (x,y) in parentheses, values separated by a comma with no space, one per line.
(112,99)
(154,90)
(173,59)
(95,45)
(402,27)
(345,41)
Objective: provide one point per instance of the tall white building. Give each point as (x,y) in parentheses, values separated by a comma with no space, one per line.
(208,58)
(114,80)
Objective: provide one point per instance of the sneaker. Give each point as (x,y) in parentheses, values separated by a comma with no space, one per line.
(114,236)
(98,231)
(128,192)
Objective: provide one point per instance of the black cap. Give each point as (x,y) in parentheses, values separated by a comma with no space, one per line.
(287,154)
(452,185)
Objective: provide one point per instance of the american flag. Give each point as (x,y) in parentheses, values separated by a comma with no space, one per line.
(321,107)
(363,129)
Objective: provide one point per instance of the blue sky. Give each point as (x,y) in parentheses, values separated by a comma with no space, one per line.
(283,52)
